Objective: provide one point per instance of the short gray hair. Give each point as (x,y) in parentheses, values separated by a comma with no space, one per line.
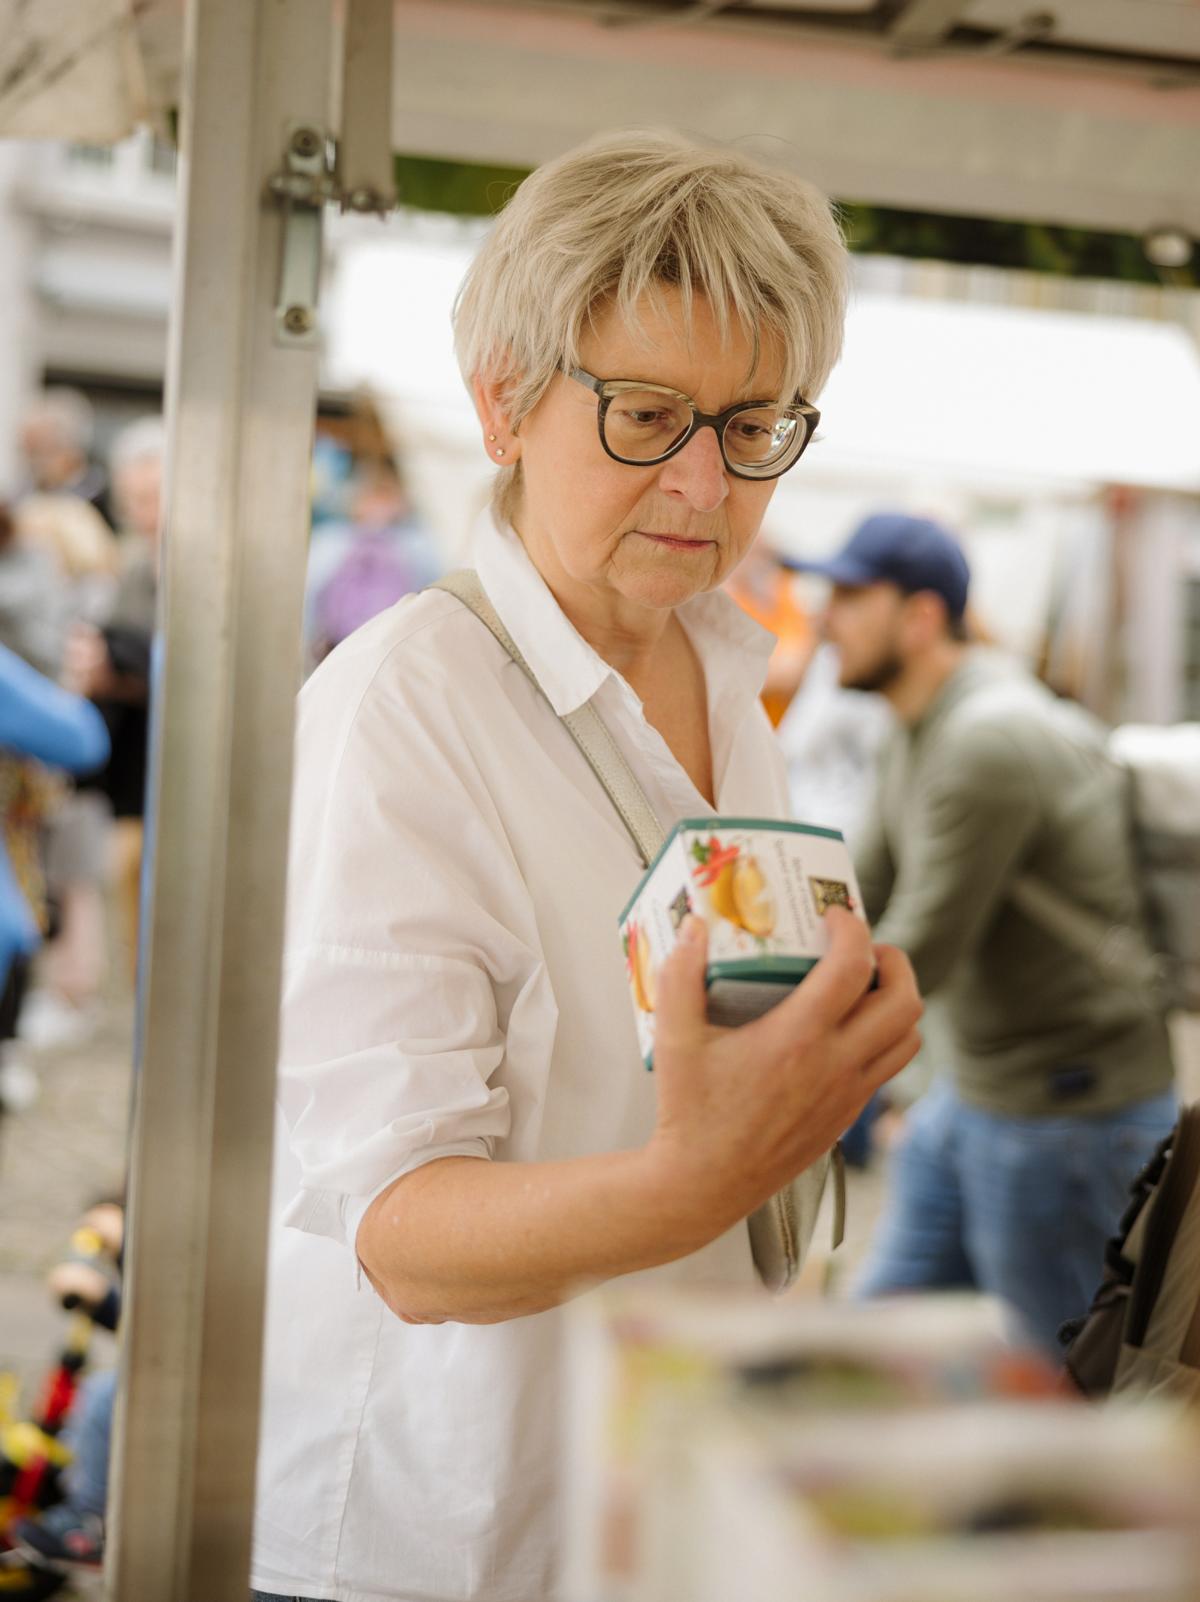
(143,440)
(68,412)
(627,213)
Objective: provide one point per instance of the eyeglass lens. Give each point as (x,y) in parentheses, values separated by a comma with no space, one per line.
(641,425)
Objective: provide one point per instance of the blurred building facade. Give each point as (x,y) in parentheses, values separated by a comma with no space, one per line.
(85,267)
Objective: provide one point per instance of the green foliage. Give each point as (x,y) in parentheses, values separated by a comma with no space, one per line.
(999,242)
(474,189)
(467,189)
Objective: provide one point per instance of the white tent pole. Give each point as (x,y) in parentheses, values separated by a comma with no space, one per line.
(241,396)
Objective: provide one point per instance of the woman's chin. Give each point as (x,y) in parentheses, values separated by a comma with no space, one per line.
(662,591)
(660,583)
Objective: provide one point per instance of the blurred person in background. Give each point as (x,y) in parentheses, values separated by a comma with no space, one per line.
(80,545)
(85,557)
(110,661)
(56,439)
(107,659)
(357,571)
(764,587)
(330,481)
(33,630)
(63,521)
(69,1535)
(1014,1171)
(831,739)
(39,724)
(33,619)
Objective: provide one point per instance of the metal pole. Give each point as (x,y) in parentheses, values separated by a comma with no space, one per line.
(240,406)
(366,172)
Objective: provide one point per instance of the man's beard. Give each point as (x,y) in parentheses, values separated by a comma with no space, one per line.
(875,679)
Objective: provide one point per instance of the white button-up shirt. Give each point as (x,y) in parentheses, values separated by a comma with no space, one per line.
(454,985)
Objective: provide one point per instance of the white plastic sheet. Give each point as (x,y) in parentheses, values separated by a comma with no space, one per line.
(70,69)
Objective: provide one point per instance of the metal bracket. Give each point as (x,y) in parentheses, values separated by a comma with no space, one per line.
(301,189)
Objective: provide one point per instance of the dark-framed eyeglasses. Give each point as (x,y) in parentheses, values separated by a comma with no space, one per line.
(641,424)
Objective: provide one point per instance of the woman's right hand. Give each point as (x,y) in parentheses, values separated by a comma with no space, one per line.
(742,1111)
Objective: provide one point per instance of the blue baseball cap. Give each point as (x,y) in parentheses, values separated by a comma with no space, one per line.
(913,553)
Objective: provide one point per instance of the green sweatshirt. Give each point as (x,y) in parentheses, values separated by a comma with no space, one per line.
(999,779)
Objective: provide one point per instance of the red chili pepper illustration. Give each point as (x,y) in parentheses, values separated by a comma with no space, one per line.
(716,859)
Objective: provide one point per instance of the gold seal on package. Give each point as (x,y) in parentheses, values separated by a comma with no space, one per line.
(762,886)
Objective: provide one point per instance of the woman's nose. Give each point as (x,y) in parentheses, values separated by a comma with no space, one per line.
(697,473)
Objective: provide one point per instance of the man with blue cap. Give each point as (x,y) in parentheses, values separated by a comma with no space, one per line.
(1015,1165)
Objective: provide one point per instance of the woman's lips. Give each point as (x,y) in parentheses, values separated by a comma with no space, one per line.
(675,542)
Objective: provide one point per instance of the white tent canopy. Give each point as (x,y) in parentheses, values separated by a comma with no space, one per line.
(1001,391)
(959,389)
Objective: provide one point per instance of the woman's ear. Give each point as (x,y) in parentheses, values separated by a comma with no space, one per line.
(491,406)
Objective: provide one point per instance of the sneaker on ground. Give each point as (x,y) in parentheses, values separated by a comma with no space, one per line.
(19,1082)
(49,1023)
(61,1535)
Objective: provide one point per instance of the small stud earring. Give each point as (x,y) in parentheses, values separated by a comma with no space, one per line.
(492,437)
(499,450)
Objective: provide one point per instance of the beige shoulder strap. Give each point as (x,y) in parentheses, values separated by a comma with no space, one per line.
(585,725)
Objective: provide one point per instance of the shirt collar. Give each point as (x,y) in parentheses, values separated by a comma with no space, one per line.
(733,649)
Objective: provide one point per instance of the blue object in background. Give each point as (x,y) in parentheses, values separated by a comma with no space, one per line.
(856,1142)
(39,720)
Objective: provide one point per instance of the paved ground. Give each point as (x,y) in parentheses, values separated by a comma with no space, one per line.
(57,1157)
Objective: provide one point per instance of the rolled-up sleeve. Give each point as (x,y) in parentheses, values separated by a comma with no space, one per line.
(402,967)
(387,1057)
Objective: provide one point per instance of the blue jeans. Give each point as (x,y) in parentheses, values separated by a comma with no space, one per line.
(89,1435)
(856,1142)
(1018,1207)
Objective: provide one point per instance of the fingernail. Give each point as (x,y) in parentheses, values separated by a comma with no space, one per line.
(691,930)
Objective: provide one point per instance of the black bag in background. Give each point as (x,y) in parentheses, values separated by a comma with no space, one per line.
(123,779)
(1142,1332)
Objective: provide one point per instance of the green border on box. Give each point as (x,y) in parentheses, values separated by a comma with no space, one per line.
(761,970)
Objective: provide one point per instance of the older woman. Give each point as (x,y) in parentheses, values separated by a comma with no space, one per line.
(470,1134)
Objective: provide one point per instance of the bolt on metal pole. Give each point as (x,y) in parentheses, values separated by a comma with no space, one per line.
(241,403)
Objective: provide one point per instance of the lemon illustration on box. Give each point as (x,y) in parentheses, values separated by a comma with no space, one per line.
(762,886)
(737,888)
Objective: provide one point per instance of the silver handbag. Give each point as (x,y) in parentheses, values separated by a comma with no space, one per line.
(781,1230)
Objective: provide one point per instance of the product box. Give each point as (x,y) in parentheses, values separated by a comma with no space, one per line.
(986,1503)
(652,1369)
(762,886)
